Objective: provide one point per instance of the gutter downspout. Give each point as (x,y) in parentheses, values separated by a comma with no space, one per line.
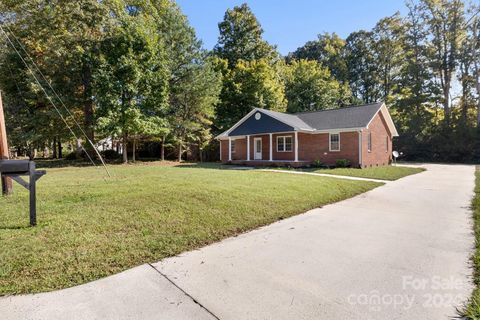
(360,148)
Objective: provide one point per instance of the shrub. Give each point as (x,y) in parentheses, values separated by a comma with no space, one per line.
(317,164)
(110,154)
(71,156)
(342,163)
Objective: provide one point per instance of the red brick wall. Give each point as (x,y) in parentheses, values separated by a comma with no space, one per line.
(240,149)
(287,155)
(316,147)
(224,150)
(379,155)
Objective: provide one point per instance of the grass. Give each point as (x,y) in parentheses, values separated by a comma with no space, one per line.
(381,173)
(89,228)
(472,310)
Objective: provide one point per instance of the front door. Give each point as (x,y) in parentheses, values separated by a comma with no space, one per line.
(257,149)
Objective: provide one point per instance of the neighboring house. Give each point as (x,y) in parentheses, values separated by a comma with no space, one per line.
(361,134)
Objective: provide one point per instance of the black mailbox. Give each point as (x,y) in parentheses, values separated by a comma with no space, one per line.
(15,169)
(14,166)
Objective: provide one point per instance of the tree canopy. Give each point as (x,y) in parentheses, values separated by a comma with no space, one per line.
(136,71)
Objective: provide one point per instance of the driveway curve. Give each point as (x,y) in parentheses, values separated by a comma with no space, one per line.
(400,251)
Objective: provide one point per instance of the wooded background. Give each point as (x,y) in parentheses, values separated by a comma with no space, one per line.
(135,71)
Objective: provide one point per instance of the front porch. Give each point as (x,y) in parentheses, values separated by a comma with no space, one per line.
(262,149)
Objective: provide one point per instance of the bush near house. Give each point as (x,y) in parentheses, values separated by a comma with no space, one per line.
(342,163)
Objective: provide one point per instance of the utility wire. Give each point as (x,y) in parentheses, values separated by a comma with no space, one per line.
(46,94)
(56,95)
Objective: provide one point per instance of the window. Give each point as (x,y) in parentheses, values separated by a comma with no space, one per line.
(334,141)
(386,144)
(232,146)
(284,144)
(369,148)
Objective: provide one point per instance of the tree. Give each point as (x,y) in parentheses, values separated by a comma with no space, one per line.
(193,105)
(247,63)
(241,38)
(363,69)
(309,87)
(467,77)
(328,50)
(62,40)
(31,120)
(249,85)
(445,20)
(389,55)
(415,94)
(473,43)
(131,83)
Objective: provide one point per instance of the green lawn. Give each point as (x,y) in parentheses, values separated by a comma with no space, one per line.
(381,173)
(89,227)
(472,311)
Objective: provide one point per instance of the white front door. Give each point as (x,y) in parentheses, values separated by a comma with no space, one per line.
(257,149)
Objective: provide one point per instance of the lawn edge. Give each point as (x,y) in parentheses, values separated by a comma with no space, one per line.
(471,310)
(326,172)
(376,178)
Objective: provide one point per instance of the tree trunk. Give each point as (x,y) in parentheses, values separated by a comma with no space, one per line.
(464,75)
(134,149)
(60,149)
(32,153)
(446,104)
(124,147)
(54,148)
(477,80)
(200,153)
(179,152)
(162,150)
(478,93)
(88,104)
(79,150)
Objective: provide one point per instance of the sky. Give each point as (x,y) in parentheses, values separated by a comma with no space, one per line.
(290,23)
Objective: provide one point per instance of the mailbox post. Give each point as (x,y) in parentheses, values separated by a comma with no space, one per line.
(15,169)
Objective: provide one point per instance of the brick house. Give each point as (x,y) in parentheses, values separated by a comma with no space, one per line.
(361,134)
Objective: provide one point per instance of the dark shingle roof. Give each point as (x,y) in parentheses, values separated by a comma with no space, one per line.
(331,119)
(290,119)
(348,117)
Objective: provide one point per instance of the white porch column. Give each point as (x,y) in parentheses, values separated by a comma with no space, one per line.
(296,146)
(248,148)
(271,152)
(229,149)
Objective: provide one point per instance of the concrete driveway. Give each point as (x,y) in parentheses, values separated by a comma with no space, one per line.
(400,251)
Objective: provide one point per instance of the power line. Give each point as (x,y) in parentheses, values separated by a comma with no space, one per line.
(50,99)
(46,94)
(57,96)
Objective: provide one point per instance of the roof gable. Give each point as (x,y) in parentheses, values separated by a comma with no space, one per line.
(388,120)
(264,124)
